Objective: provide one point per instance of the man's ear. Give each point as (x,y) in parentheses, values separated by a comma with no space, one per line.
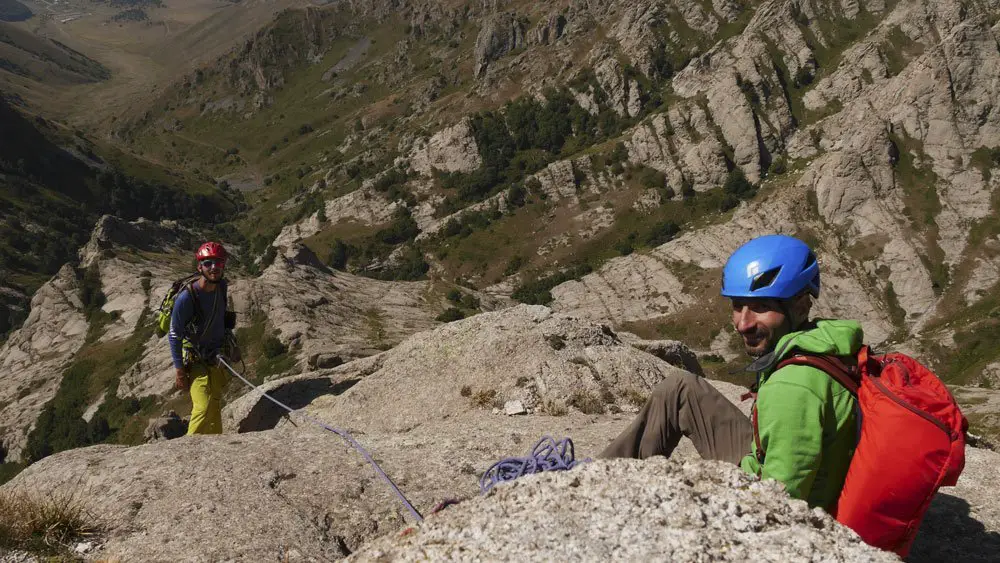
(800,307)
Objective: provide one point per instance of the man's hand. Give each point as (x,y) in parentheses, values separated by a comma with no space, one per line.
(183,381)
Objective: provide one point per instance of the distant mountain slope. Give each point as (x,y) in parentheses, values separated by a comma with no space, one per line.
(13,11)
(54,184)
(47,60)
(35,70)
(547,151)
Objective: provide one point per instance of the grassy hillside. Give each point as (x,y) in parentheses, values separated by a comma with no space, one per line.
(35,70)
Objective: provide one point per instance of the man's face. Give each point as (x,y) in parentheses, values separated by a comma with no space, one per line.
(761,323)
(212,269)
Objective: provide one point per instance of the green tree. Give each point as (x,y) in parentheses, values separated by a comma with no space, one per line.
(338,255)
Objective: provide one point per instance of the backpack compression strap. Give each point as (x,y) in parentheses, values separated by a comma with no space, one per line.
(846,374)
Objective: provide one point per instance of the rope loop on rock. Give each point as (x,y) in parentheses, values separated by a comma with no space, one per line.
(342,433)
(547,455)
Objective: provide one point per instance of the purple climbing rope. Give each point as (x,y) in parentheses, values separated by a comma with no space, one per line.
(342,433)
(547,455)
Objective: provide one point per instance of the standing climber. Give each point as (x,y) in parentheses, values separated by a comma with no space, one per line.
(197,333)
(807,423)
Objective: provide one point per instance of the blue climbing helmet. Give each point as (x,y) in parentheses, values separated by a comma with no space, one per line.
(775,266)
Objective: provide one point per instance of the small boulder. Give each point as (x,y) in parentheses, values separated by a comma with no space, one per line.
(166,427)
(511,408)
(324,361)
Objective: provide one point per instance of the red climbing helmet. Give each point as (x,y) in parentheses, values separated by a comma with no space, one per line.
(210,250)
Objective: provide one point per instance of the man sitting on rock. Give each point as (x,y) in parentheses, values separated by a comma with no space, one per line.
(806,420)
(197,333)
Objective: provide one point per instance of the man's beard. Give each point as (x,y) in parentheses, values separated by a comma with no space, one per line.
(768,339)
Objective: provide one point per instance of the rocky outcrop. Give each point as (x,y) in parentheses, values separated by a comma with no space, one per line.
(549,362)
(500,34)
(141,234)
(167,427)
(637,287)
(452,149)
(319,311)
(671,351)
(133,290)
(256,68)
(34,357)
(549,29)
(633,510)
(294,491)
(364,206)
(679,143)
(862,183)
(305,489)
(623,90)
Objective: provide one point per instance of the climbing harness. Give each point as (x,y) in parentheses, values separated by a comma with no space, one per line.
(547,455)
(342,433)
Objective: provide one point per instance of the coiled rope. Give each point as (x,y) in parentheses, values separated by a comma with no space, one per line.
(342,433)
(547,455)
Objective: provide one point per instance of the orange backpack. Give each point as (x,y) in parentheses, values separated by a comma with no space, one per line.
(912,442)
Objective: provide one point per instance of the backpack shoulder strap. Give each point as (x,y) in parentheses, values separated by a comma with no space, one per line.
(842,372)
(189,287)
(834,366)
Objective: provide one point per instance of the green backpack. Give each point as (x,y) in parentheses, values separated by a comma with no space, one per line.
(166,309)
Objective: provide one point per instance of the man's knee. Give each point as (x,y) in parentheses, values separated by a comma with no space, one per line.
(674,385)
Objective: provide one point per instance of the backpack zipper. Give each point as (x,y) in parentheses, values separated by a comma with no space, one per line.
(929,418)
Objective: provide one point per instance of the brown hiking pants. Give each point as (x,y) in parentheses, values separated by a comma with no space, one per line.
(685,405)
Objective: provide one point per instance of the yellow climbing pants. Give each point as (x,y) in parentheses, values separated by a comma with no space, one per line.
(206,399)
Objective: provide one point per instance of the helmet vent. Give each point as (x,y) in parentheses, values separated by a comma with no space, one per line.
(810,260)
(765,279)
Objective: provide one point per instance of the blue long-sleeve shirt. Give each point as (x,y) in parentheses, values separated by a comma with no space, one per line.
(207,344)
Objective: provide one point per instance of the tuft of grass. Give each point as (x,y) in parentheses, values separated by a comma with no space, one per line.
(485,398)
(450,314)
(635,397)
(554,408)
(986,159)
(43,525)
(586,402)
(265,355)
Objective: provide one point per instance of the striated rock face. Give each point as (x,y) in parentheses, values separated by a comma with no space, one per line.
(548,29)
(450,150)
(674,143)
(500,34)
(630,510)
(624,289)
(33,358)
(927,118)
(319,311)
(625,90)
(365,206)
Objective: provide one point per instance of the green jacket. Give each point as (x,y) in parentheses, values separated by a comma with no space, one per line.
(807,421)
